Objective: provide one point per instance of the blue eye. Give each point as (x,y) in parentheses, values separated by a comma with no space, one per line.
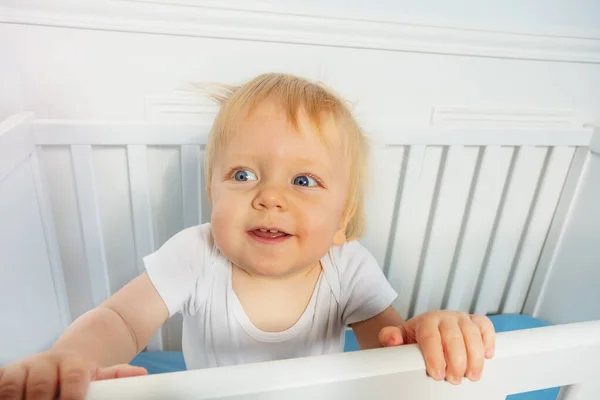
(243,175)
(304,180)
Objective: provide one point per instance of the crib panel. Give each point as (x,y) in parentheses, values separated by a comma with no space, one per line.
(412,223)
(521,187)
(166,200)
(91,228)
(137,164)
(27,325)
(191,183)
(489,184)
(542,213)
(56,162)
(16,142)
(49,225)
(428,221)
(110,165)
(448,212)
(382,197)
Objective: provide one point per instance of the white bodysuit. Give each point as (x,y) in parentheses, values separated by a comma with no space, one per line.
(193,277)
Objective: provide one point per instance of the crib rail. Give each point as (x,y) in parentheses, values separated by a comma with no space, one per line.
(562,355)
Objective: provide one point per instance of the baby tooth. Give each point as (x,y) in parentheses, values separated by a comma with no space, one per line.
(262,230)
(273,231)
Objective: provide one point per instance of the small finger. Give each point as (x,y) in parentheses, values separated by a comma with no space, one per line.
(474,346)
(429,340)
(488,333)
(74,380)
(12,382)
(390,336)
(454,346)
(119,371)
(42,381)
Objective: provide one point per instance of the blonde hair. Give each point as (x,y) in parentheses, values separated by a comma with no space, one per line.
(294,94)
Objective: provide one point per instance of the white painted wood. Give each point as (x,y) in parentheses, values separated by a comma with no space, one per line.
(509,117)
(301,28)
(537,231)
(570,290)
(16,142)
(383,373)
(58,279)
(491,179)
(561,215)
(90,222)
(595,141)
(142,216)
(449,213)
(381,198)
(191,183)
(580,391)
(513,216)
(71,132)
(411,226)
(31,318)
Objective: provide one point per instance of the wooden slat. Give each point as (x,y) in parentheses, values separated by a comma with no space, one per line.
(490,182)
(543,212)
(190,185)
(90,222)
(142,216)
(382,373)
(512,221)
(563,209)
(381,195)
(16,142)
(52,245)
(412,223)
(68,132)
(446,227)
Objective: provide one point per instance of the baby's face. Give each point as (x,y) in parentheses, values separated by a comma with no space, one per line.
(278,196)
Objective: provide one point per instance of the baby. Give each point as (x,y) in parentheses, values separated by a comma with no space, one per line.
(277,273)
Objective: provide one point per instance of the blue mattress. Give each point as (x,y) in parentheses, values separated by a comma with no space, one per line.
(172,361)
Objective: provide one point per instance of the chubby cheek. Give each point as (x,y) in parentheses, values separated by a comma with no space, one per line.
(318,225)
(225,215)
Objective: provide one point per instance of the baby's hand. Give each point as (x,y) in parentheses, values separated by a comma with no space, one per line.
(56,375)
(464,339)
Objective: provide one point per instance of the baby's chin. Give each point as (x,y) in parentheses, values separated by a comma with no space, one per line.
(272,270)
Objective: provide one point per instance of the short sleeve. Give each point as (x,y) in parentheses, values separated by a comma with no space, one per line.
(179,265)
(364,289)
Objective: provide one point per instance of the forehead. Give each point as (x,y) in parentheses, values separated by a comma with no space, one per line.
(269,130)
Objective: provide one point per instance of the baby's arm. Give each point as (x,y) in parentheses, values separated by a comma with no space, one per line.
(113,333)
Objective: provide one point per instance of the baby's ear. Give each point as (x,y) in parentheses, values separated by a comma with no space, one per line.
(340,237)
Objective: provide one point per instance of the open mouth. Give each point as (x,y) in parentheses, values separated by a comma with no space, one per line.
(269,235)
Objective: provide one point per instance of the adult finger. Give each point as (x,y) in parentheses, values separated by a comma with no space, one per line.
(474,347)
(454,346)
(429,340)
(488,333)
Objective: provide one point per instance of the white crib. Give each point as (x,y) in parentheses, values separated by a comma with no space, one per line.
(476,219)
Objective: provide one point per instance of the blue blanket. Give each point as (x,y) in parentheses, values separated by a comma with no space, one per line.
(172,361)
